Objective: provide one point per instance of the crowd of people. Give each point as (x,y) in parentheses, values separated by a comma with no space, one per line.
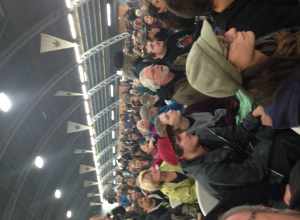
(212,117)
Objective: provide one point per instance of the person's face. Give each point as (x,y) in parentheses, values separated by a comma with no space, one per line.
(158,48)
(160,5)
(135,100)
(153,111)
(171,118)
(148,19)
(137,165)
(131,182)
(152,32)
(159,74)
(145,203)
(147,147)
(143,125)
(262,216)
(187,142)
(135,195)
(241,47)
(138,23)
(134,136)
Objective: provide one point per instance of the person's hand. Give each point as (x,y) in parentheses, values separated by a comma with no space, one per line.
(265,119)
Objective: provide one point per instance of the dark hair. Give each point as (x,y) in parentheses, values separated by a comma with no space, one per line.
(118,59)
(261,81)
(189,8)
(172,136)
(162,35)
(118,212)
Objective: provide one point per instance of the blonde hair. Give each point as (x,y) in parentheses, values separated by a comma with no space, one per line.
(146,184)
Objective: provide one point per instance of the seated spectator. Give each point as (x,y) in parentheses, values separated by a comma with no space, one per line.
(155,206)
(168,52)
(259,213)
(146,128)
(223,173)
(158,9)
(170,181)
(208,160)
(191,122)
(153,22)
(137,164)
(148,112)
(161,150)
(169,84)
(218,71)
(246,68)
(283,111)
(149,100)
(292,191)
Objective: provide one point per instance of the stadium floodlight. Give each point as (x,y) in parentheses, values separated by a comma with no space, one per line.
(87,107)
(72,26)
(69,4)
(112,115)
(108,14)
(69,214)
(57,194)
(112,90)
(84,91)
(82,74)
(5,102)
(82,151)
(77,54)
(113,134)
(39,162)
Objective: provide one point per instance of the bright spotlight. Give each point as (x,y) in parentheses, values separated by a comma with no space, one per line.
(39,162)
(112,90)
(72,26)
(69,214)
(69,4)
(5,102)
(57,194)
(108,14)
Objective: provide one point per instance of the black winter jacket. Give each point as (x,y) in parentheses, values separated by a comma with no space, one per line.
(261,16)
(233,171)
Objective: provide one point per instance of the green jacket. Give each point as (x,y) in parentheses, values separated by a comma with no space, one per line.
(178,193)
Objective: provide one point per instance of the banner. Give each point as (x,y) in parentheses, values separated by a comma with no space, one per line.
(88,183)
(86,169)
(51,43)
(73,127)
